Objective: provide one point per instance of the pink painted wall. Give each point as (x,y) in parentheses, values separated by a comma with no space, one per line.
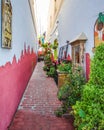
(14,78)
(87,66)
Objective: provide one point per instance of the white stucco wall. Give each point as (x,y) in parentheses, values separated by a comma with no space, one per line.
(22,31)
(78,16)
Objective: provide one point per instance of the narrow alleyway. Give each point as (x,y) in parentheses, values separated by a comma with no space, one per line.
(36,110)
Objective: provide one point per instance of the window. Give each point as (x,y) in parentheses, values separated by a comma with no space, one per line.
(77,54)
(62,53)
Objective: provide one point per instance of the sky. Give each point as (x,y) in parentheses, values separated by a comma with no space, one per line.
(42,14)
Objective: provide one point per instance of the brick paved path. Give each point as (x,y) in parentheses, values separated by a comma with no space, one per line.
(36,110)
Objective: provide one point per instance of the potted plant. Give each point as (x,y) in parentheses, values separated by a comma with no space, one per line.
(62,70)
(69,93)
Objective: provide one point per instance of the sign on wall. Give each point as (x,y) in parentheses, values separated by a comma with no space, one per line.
(6,23)
(99,30)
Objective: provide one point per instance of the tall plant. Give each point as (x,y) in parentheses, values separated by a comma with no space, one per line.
(47,56)
(89,112)
(54,47)
(97,67)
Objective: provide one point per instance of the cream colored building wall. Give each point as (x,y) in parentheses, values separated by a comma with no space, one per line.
(54,9)
(33,13)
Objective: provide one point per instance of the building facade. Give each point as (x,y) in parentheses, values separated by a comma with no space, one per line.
(54,9)
(78,27)
(18,39)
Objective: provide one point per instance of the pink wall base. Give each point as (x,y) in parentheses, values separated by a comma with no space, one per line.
(14,78)
(87,66)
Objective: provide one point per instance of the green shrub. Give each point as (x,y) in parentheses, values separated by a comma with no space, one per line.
(97,67)
(47,59)
(89,112)
(64,67)
(46,68)
(47,63)
(71,91)
(63,92)
(51,72)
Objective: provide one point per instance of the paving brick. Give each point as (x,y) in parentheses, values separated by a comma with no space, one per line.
(36,110)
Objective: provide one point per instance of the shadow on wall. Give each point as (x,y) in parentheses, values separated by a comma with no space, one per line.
(14,78)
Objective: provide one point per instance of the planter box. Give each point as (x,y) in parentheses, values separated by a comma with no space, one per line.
(61,78)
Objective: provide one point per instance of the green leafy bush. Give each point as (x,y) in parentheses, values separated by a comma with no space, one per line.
(89,112)
(97,67)
(47,62)
(71,91)
(49,67)
(64,67)
(46,68)
(47,59)
(51,72)
(63,92)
